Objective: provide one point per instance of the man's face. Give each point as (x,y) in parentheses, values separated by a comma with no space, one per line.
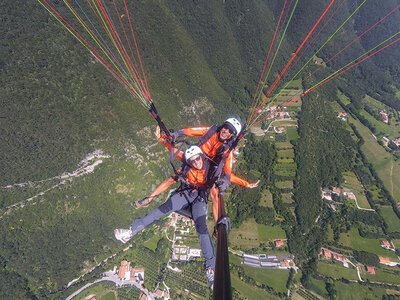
(196,161)
(225,133)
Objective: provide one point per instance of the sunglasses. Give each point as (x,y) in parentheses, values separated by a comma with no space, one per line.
(197,159)
(229,129)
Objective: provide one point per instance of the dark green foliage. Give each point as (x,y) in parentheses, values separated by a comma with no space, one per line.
(258,160)
(366,258)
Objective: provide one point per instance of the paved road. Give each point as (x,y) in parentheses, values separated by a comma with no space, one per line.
(110,276)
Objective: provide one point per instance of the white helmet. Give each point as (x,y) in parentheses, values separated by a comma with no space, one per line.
(192,151)
(234,124)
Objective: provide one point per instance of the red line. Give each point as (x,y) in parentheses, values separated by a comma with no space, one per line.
(308,91)
(269,51)
(353,42)
(291,67)
(98,56)
(292,58)
(137,50)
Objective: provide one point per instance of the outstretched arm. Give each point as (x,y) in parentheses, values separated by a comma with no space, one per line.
(240,181)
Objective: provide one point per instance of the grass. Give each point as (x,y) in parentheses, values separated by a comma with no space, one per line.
(248,291)
(391,131)
(274,278)
(391,218)
(351,182)
(387,275)
(268,233)
(284,184)
(318,286)
(283,145)
(354,240)
(266,199)
(286,153)
(337,270)
(345,100)
(356,291)
(285,169)
(292,133)
(108,296)
(382,161)
(396,243)
(152,243)
(246,236)
(287,198)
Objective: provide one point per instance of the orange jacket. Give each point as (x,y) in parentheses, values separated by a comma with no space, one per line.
(233,178)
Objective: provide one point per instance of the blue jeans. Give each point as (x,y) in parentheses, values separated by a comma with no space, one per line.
(176,202)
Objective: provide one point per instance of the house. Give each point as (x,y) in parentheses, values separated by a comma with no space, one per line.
(137,274)
(337,191)
(159,293)
(386,261)
(193,252)
(283,114)
(143,296)
(278,243)
(123,269)
(370,270)
(384,116)
(350,195)
(342,116)
(385,244)
(327,253)
(396,142)
(279,129)
(327,194)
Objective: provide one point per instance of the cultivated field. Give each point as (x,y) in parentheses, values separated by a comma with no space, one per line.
(269,233)
(381,160)
(266,199)
(336,270)
(391,218)
(351,182)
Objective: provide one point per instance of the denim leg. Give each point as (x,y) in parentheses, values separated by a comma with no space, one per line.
(176,202)
(199,211)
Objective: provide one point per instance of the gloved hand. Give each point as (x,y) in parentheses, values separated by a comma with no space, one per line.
(222,183)
(141,203)
(176,134)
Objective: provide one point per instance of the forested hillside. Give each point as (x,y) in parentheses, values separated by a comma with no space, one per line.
(202,60)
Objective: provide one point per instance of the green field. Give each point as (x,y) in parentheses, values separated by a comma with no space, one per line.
(391,218)
(152,242)
(108,296)
(391,131)
(266,199)
(345,100)
(248,291)
(285,123)
(318,286)
(354,291)
(285,169)
(246,236)
(382,274)
(268,233)
(337,270)
(274,278)
(283,145)
(351,182)
(382,161)
(286,153)
(396,243)
(291,133)
(284,184)
(287,198)
(354,240)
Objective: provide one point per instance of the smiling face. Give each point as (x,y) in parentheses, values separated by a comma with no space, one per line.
(196,161)
(225,133)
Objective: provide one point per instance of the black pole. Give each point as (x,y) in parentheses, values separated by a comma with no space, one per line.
(222,281)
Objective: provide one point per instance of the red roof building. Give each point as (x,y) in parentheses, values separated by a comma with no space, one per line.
(123,269)
(385,244)
(371,270)
(384,117)
(278,243)
(336,191)
(327,253)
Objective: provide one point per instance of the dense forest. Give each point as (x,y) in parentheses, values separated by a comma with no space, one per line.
(203,60)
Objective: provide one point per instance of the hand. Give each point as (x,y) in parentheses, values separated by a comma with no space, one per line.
(157,133)
(253,185)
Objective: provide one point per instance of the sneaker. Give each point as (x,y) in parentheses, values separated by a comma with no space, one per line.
(210,277)
(123,235)
(141,203)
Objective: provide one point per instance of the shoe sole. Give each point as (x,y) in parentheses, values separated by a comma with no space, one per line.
(119,239)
